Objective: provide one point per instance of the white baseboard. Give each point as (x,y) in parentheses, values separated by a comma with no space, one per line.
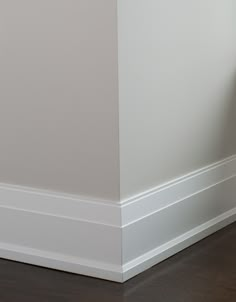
(61,232)
(177,244)
(61,262)
(165,220)
(116,241)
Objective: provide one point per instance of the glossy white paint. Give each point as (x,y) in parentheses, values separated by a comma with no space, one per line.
(71,242)
(177,244)
(58,204)
(116,241)
(176,215)
(178,190)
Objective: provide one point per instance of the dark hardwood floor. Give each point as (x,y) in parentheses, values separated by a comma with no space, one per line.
(204,272)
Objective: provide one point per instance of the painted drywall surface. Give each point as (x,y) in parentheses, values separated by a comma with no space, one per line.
(177,81)
(59,96)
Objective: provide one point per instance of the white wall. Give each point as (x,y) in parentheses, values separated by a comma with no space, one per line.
(59,114)
(59,96)
(177,64)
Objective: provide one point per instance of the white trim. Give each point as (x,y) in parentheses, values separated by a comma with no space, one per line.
(116,241)
(176,245)
(60,204)
(165,195)
(163,221)
(61,262)
(54,241)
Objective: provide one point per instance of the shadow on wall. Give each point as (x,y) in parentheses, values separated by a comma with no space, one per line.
(228,142)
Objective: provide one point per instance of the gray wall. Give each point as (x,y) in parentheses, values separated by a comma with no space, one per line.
(177,64)
(59,96)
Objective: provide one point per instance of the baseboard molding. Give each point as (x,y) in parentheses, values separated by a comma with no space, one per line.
(116,241)
(61,232)
(165,220)
(167,194)
(163,252)
(61,262)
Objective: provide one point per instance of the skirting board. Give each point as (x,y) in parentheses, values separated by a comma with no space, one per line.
(116,241)
(61,232)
